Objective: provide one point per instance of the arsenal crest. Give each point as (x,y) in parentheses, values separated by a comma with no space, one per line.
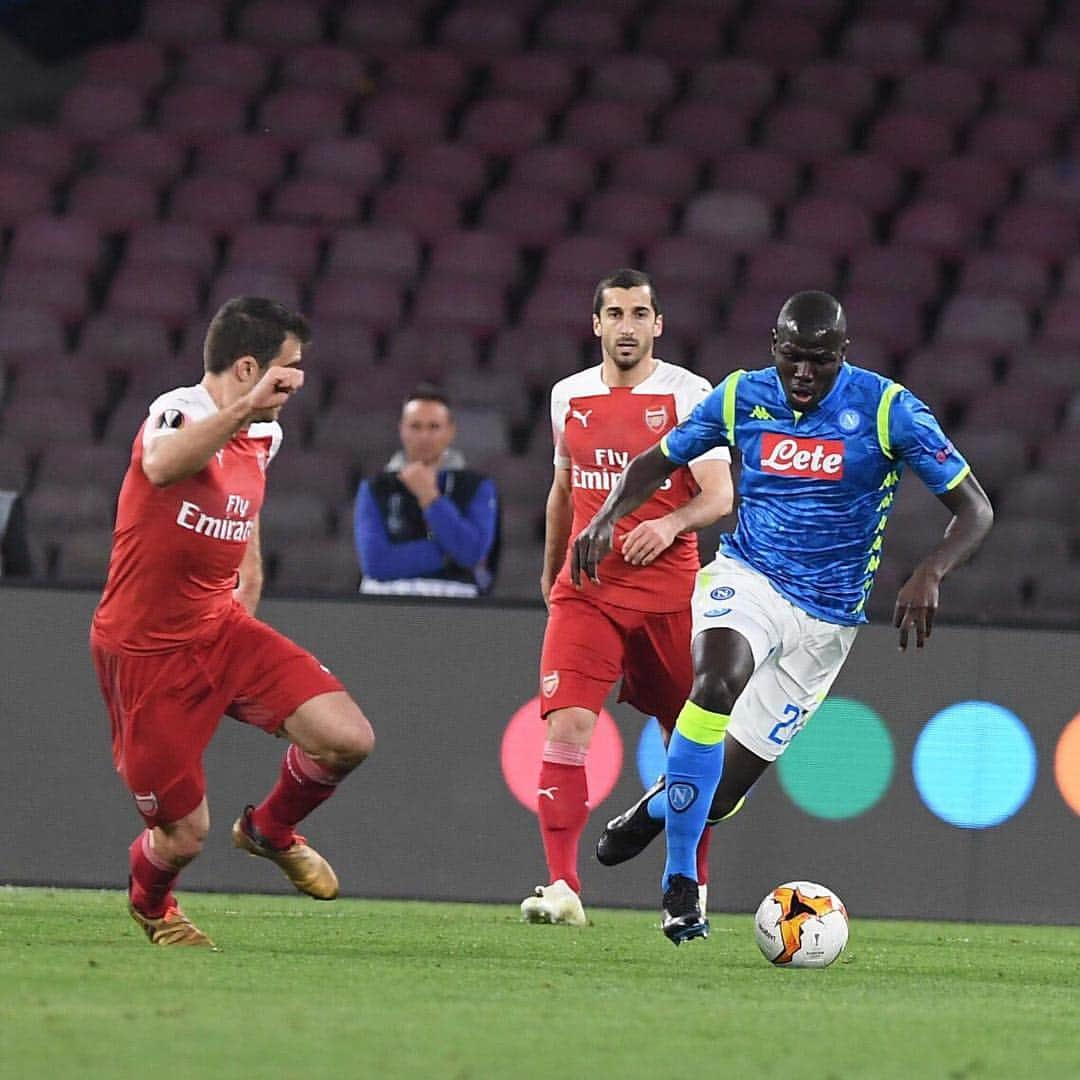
(656,418)
(549,683)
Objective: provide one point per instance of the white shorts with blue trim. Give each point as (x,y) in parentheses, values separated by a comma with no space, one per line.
(796,656)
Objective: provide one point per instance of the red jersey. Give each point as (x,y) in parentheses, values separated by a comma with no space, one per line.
(597,430)
(176,549)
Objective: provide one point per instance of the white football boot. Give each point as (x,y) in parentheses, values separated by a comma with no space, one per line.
(555,903)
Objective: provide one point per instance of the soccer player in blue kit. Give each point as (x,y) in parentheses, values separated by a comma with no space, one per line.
(823,445)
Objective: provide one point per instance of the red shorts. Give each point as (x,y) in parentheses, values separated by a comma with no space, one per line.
(589,644)
(165,707)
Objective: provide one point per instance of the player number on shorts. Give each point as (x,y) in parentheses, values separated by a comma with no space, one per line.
(786,730)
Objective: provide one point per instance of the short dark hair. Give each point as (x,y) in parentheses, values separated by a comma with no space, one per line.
(624,278)
(427,392)
(250,326)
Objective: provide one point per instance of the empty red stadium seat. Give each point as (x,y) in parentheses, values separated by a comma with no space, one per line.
(941,227)
(838,85)
(806,132)
(1013,139)
(460,169)
(290,248)
(638,216)
(890,46)
(451,301)
(379,251)
(221,202)
(396,119)
(771,174)
(92,111)
(54,286)
(783,40)
(1047,92)
(831,223)
(29,328)
(745,86)
(310,201)
(299,114)
(979,183)
(871,180)
(999,321)
(911,139)
(324,67)
(894,269)
(682,34)
(705,128)
(151,154)
(737,221)
(191,23)
(542,78)
(348,159)
(478,255)
(658,170)
(237,65)
(46,152)
(194,112)
(171,242)
(281,23)
(585,33)
(586,259)
(504,125)
(166,292)
(690,260)
(939,89)
(480,31)
(534,217)
(373,301)
(371,26)
(564,170)
(70,241)
(1046,231)
(645,80)
(242,154)
(138,64)
(985,48)
(427,209)
(780,265)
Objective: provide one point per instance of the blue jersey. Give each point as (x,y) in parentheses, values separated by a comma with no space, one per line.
(816,488)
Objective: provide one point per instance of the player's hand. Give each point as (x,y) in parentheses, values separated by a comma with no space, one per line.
(422,480)
(648,540)
(916,605)
(274,388)
(546,581)
(590,547)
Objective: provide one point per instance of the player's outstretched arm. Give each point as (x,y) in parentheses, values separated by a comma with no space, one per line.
(640,479)
(917,601)
(189,447)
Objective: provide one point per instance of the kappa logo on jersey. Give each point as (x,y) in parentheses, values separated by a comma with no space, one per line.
(656,418)
(681,796)
(549,683)
(759,412)
(582,416)
(813,459)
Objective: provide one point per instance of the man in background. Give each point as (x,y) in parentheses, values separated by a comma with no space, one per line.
(427,525)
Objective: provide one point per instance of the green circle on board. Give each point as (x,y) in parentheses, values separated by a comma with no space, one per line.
(841,762)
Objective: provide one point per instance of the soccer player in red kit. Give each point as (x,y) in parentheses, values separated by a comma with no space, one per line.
(636,622)
(174,638)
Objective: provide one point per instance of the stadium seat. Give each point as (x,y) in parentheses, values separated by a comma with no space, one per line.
(1054,368)
(985,48)
(1056,591)
(981,593)
(1052,94)
(151,154)
(994,460)
(666,171)
(451,301)
(682,34)
(1025,411)
(567,171)
(422,358)
(477,255)
(938,226)
(885,46)
(197,112)
(690,260)
(784,40)
(504,125)
(483,32)
(368,445)
(293,249)
(249,280)
(165,291)
(1060,47)
(324,67)
(584,259)
(280,24)
(1039,496)
(745,86)
(298,114)
(45,152)
(341,348)
(171,242)
(586,33)
(770,174)
(427,210)
(29,329)
(123,342)
(502,391)
(779,265)
(191,23)
(1048,232)
(392,252)
(80,386)
(605,126)
(288,517)
(539,360)
(705,128)
(560,306)
(628,213)
(1013,139)
(542,78)
(54,286)
(113,201)
(1054,183)
(71,241)
(91,111)
(83,463)
(1061,323)
(980,184)
(321,566)
(940,89)
(873,181)
(397,120)
(1059,453)
(372,300)
(984,319)
(840,86)
(236,65)
(218,202)
(345,159)
(1025,17)
(242,155)
(307,201)
(84,555)
(462,170)
(373,28)
(532,216)
(138,64)
(833,224)
(751,315)
(806,132)
(895,269)
(644,80)
(910,139)
(1004,273)
(736,221)
(895,319)
(37,424)
(325,475)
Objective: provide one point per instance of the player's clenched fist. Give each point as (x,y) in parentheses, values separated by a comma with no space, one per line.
(273,389)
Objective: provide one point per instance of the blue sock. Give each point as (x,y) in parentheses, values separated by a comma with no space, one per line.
(693,771)
(656,807)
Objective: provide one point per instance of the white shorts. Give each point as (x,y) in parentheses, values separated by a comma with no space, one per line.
(796,656)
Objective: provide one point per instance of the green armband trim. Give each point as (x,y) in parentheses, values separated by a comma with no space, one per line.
(701,726)
(731,385)
(884,405)
(962,475)
(730,814)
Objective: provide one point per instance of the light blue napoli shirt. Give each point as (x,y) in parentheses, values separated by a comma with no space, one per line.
(816,488)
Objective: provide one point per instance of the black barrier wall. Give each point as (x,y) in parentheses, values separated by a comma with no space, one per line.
(430,816)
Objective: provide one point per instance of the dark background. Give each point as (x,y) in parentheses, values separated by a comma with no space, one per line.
(430,816)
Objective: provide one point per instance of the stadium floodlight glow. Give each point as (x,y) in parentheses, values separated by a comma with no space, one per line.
(523,747)
(975,764)
(1067,764)
(651,753)
(841,763)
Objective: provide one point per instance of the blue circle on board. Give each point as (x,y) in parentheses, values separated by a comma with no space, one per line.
(651,753)
(975,764)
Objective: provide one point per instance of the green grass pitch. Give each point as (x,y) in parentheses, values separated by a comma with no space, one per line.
(401,989)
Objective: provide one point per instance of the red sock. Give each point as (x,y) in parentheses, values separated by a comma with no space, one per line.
(303,784)
(563,807)
(151,882)
(703,857)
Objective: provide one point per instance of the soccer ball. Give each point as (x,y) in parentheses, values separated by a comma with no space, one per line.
(800,924)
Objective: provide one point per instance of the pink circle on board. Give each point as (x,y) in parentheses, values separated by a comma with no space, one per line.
(523,747)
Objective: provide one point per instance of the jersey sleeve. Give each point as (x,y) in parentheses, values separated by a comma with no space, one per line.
(560,406)
(170,412)
(702,431)
(915,436)
(691,392)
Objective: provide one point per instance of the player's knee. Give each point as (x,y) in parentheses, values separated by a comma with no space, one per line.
(570,726)
(715,692)
(181,845)
(352,744)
